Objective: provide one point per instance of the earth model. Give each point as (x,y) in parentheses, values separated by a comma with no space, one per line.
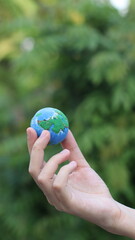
(54,121)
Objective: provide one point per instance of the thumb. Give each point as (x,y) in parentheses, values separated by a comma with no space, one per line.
(75,152)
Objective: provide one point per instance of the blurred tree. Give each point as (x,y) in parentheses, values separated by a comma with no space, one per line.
(77,56)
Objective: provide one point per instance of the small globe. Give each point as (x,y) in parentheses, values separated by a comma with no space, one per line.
(54,121)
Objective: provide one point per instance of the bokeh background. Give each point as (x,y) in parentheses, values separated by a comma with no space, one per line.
(77,56)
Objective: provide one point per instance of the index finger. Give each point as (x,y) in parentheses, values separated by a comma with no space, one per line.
(75,152)
(31,138)
(37,154)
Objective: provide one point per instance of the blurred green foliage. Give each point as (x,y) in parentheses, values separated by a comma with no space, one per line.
(79,57)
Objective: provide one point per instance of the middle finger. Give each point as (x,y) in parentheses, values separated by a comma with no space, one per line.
(47,174)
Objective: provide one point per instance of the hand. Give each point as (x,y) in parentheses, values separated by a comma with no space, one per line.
(76,189)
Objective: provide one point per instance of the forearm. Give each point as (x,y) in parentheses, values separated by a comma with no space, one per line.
(123,221)
(120,220)
(126,222)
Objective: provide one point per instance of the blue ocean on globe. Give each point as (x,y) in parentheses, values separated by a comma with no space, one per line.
(54,121)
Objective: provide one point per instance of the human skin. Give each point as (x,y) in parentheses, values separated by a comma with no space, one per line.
(77,189)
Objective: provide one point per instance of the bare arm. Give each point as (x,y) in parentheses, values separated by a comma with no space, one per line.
(77,189)
(126,223)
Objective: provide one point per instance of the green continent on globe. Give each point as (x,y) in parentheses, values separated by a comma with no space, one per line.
(59,122)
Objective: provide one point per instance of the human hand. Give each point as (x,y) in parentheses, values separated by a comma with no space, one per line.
(76,189)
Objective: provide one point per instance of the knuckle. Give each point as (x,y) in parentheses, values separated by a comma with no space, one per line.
(41,179)
(57,187)
(36,147)
(31,171)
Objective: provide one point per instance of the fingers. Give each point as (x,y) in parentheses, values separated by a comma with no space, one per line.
(75,152)
(31,138)
(55,187)
(51,166)
(37,154)
(60,184)
(47,176)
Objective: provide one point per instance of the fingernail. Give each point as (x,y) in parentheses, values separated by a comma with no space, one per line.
(44,133)
(64,151)
(73,164)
